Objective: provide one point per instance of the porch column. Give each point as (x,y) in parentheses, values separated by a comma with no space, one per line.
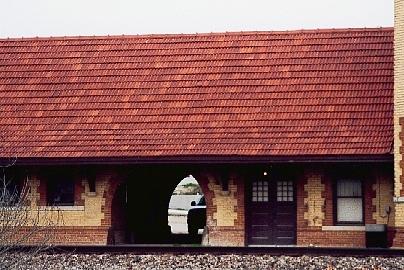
(224,194)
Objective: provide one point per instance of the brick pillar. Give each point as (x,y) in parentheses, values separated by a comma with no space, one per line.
(398,233)
(314,201)
(310,207)
(225,209)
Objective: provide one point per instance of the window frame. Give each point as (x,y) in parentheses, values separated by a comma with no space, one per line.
(289,198)
(265,194)
(336,197)
(52,180)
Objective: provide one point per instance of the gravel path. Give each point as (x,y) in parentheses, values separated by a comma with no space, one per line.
(131,261)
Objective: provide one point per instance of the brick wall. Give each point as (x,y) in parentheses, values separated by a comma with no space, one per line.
(382,200)
(398,233)
(90,219)
(66,235)
(398,89)
(81,235)
(91,222)
(225,209)
(329,201)
(315,209)
(86,222)
(314,236)
(369,199)
(89,213)
(314,199)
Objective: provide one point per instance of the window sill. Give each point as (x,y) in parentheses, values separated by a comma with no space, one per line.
(46,208)
(343,228)
(398,199)
(91,194)
(63,208)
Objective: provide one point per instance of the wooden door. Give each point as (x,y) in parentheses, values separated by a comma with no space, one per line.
(272,212)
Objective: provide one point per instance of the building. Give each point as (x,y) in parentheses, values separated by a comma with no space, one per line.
(289,134)
(398,113)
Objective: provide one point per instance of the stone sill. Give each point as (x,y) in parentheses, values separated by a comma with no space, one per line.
(343,228)
(46,208)
(398,199)
(63,208)
(91,194)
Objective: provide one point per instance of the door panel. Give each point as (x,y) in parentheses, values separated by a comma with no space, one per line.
(261,227)
(261,219)
(272,212)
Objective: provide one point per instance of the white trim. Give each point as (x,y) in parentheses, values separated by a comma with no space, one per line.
(63,208)
(91,194)
(12,208)
(343,228)
(46,208)
(398,199)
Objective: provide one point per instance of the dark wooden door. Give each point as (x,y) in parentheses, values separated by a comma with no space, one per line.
(272,212)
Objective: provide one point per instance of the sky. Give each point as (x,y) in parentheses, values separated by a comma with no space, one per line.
(31,18)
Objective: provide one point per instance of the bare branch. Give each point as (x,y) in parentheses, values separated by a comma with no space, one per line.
(25,228)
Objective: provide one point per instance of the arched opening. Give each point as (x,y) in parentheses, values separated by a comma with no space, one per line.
(187,212)
(144,211)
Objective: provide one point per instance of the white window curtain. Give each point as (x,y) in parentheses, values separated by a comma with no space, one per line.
(349,201)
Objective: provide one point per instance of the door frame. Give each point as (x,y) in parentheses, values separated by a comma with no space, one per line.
(291,172)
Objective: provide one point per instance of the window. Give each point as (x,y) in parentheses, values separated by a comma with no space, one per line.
(349,201)
(260,191)
(11,187)
(284,191)
(60,191)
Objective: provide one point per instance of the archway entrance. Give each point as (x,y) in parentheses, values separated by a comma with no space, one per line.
(187,212)
(139,208)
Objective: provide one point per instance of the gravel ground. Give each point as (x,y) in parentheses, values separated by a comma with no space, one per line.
(131,261)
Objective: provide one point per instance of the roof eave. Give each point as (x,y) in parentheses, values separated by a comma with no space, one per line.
(201,159)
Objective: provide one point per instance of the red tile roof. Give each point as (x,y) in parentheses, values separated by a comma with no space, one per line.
(317,92)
